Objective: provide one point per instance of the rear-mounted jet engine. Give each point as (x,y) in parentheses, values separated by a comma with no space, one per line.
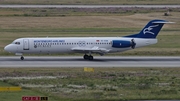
(123,44)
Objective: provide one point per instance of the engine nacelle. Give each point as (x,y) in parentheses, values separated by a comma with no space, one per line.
(121,44)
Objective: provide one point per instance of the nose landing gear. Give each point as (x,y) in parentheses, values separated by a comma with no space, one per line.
(22,58)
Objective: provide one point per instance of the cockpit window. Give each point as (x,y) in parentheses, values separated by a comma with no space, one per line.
(18,43)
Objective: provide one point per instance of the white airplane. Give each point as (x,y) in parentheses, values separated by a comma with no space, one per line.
(87,45)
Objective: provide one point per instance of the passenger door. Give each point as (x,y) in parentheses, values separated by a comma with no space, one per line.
(26,44)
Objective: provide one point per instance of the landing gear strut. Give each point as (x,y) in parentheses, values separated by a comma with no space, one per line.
(22,58)
(86,57)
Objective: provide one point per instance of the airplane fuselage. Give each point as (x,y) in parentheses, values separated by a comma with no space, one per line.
(65,45)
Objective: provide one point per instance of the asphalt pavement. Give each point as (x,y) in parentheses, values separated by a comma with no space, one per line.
(88,6)
(99,61)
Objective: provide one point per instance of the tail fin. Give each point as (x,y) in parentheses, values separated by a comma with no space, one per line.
(152,29)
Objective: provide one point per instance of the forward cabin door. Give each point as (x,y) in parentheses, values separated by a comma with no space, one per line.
(26,44)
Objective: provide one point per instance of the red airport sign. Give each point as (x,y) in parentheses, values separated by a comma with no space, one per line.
(31,98)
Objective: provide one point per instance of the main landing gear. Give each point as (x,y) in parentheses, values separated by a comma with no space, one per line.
(22,58)
(88,57)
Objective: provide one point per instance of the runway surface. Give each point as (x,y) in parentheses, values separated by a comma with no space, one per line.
(87,6)
(99,61)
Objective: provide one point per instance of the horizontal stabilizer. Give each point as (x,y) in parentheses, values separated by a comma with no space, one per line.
(164,22)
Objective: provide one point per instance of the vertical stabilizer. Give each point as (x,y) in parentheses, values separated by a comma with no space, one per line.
(152,29)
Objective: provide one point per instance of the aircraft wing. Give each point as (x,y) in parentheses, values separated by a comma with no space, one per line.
(94,49)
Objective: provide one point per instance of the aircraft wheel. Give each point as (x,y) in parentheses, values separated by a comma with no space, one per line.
(22,58)
(86,57)
(90,57)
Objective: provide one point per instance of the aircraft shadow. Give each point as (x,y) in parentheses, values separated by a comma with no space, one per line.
(80,59)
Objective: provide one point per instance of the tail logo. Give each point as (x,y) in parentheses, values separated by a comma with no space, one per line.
(149,30)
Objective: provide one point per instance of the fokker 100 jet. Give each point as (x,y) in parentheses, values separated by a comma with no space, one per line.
(87,45)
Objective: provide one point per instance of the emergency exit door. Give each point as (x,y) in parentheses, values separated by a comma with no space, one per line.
(26,44)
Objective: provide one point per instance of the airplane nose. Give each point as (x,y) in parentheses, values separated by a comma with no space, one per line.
(10,48)
(6,48)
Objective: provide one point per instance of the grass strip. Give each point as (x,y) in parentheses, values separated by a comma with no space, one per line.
(112,84)
(91,2)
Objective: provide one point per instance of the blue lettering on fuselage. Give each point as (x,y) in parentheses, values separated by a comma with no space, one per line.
(49,40)
(61,40)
